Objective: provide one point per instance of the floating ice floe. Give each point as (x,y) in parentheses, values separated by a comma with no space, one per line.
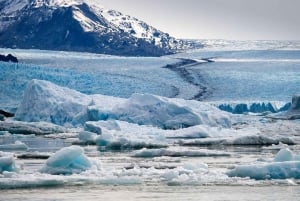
(252,139)
(45,101)
(7,163)
(179,152)
(38,128)
(120,135)
(18,145)
(285,165)
(68,160)
(292,113)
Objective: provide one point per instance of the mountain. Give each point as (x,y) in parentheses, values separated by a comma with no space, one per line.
(80,25)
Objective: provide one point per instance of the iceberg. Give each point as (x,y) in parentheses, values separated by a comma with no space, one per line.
(7,163)
(68,160)
(285,165)
(121,135)
(45,101)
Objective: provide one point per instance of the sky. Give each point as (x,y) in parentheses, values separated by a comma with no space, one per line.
(217,19)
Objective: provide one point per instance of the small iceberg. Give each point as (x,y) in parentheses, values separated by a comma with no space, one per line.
(285,165)
(69,160)
(7,163)
(18,145)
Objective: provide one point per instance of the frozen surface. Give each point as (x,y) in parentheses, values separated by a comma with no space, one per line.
(68,160)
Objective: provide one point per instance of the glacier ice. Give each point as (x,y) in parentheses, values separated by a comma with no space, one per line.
(253,107)
(293,112)
(68,160)
(7,163)
(285,165)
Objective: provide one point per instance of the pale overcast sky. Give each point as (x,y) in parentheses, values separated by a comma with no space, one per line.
(217,19)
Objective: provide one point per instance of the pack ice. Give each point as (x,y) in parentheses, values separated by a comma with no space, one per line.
(45,101)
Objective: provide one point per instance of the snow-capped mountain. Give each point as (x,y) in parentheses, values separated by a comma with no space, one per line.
(80,25)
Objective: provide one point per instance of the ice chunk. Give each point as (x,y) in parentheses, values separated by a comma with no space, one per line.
(87,136)
(38,128)
(7,163)
(286,155)
(248,139)
(18,145)
(68,160)
(146,109)
(275,170)
(179,152)
(120,135)
(286,165)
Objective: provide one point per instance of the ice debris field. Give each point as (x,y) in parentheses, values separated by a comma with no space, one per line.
(67,132)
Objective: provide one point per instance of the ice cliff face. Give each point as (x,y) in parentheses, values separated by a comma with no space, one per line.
(80,25)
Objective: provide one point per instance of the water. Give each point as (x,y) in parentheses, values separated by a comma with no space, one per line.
(152,193)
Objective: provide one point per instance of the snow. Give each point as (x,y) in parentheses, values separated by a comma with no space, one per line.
(68,160)
(7,164)
(87,24)
(13,6)
(286,165)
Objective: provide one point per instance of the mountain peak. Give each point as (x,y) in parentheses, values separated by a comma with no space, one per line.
(79,25)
